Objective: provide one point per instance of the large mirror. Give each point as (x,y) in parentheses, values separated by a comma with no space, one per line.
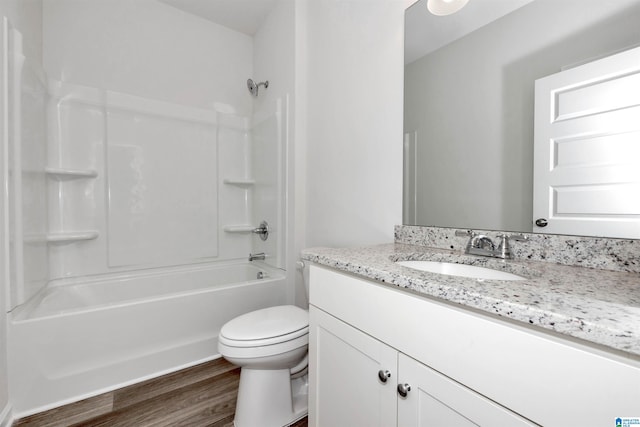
(469,100)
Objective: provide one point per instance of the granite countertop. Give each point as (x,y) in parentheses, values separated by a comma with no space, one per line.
(598,306)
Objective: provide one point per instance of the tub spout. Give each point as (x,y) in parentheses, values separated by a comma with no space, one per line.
(253,257)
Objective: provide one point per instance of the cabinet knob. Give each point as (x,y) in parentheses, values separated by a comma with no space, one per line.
(404,389)
(384,375)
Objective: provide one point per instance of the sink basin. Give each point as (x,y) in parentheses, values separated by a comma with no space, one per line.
(461,270)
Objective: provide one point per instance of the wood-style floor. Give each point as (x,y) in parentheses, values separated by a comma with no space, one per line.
(200,396)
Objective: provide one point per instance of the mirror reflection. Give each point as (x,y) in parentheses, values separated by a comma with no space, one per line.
(469,101)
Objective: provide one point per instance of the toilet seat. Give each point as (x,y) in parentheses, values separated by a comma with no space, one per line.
(231,352)
(266,327)
(264,342)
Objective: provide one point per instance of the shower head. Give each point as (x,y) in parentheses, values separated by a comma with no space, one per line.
(253,87)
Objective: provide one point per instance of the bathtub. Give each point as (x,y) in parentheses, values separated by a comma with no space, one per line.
(82,337)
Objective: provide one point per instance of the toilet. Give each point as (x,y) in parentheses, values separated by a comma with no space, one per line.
(270,346)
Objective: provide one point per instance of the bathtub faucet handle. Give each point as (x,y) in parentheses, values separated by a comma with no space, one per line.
(262,230)
(253,257)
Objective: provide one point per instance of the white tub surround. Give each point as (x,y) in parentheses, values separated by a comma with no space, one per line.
(118,164)
(597,306)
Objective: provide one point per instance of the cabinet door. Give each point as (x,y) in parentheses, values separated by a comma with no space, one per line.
(435,400)
(344,384)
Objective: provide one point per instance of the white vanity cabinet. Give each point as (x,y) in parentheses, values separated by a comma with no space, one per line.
(463,368)
(360,381)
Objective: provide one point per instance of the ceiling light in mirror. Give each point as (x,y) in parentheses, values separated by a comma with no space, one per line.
(445,7)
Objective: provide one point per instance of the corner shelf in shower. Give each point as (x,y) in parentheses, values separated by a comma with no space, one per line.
(71,236)
(243,182)
(238,228)
(64,174)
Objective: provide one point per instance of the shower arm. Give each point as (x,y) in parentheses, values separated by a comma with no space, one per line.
(253,86)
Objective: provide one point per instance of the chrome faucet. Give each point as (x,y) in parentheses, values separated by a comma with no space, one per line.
(258,256)
(479,244)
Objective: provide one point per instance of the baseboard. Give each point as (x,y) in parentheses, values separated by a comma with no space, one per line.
(6,417)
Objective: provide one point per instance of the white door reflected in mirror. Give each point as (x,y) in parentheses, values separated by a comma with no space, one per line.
(587,149)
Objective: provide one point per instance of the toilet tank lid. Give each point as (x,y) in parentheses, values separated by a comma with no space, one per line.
(266,323)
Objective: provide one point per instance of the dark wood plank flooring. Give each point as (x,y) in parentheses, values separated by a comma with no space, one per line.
(200,396)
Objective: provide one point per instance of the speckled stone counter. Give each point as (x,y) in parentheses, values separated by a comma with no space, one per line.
(599,306)
(584,251)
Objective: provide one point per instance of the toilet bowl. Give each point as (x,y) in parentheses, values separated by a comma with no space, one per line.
(270,346)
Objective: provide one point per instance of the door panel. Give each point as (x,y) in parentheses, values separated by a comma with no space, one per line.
(587,149)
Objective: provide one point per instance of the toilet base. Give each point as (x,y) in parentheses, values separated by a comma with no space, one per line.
(270,398)
(300,393)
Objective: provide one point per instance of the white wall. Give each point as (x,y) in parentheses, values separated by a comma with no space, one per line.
(297,203)
(4,238)
(149,49)
(273,56)
(472,101)
(353,67)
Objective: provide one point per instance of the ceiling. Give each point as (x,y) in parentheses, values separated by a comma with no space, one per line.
(425,32)
(244,16)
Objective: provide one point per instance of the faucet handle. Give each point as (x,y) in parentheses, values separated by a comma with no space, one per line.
(504,248)
(518,237)
(262,230)
(465,233)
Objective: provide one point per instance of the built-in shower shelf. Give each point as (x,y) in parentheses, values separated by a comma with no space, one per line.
(63,174)
(34,238)
(71,236)
(244,182)
(238,228)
